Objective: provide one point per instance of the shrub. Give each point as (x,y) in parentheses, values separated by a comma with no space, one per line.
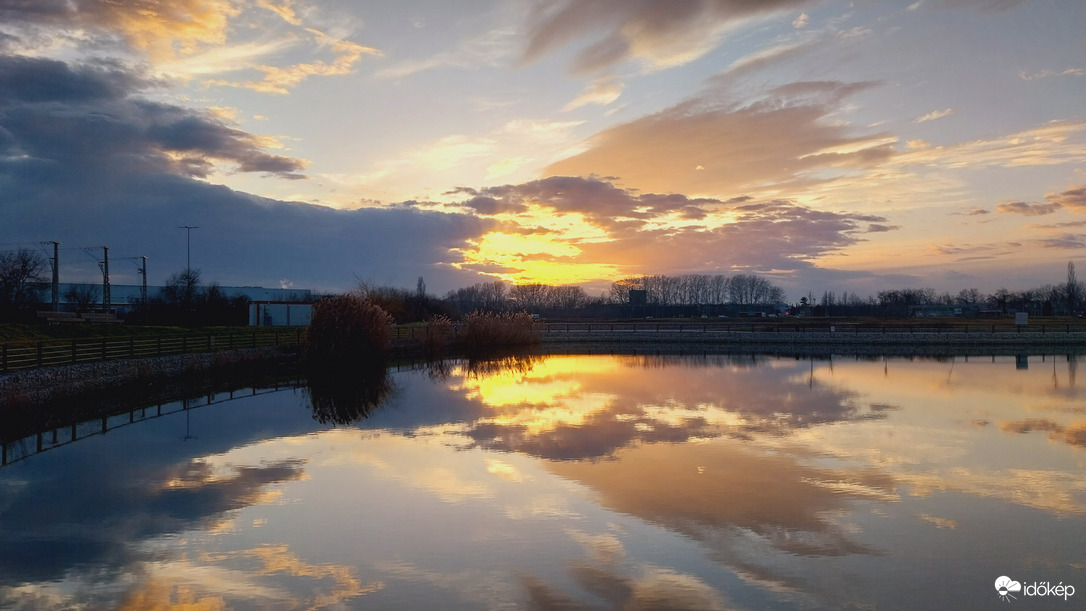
(348,329)
(439,334)
(488,329)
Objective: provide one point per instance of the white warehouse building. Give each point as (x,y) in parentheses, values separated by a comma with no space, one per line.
(280,314)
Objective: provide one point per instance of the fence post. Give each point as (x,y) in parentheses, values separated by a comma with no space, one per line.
(184,344)
(131,347)
(75,349)
(158,344)
(4,358)
(41,347)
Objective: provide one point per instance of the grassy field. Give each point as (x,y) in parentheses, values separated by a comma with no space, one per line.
(14,332)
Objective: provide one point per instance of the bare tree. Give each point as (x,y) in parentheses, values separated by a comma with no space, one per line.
(567,297)
(482,296)
(530,297)
(968,296)
(620,289)
(182,288)
(1074,291)
(84,296)
(21,277)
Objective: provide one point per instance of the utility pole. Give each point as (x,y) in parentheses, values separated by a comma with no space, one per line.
(105,279)
(143,289)
(188,247)
(55,261)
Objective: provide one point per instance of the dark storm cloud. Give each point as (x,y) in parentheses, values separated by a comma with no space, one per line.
(86,118)
(35,80)
(85,161)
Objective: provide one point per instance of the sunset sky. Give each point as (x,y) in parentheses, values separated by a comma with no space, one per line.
(827,145)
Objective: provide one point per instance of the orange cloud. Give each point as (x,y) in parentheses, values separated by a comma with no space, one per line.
(1074,199)
(620,232)
(778,140)
(161,28)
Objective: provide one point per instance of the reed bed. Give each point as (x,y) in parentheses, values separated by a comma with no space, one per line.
(348,329)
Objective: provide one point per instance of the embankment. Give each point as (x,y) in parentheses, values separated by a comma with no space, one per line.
(827,341)
(54,384)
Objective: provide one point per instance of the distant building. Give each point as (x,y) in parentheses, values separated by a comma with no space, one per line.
(280,314)
(939,310)
(125,298)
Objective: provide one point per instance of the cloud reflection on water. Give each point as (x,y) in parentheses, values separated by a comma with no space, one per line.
(590,406)
(570,481)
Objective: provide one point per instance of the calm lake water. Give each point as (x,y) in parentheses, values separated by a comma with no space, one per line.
(572,482)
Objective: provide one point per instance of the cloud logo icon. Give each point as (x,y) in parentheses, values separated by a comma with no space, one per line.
(1005,585)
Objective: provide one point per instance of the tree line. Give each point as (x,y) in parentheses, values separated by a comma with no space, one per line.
(183,299)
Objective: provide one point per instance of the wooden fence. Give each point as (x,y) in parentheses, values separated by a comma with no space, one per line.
(49,353)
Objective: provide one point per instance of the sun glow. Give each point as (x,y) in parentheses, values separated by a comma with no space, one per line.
(522,259)
(543,398)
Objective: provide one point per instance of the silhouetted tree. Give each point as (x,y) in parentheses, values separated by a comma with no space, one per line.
(84,296)
(182,289)
(488,296)
(21,278)
(1074,291)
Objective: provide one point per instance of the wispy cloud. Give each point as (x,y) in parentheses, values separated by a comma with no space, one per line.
(1030,76)
(491,49)
(601,91)
(934,115)
(658,33)
(284,9)
(281,79)
(1053,143)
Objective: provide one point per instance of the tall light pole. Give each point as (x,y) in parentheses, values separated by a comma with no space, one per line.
(188,247)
